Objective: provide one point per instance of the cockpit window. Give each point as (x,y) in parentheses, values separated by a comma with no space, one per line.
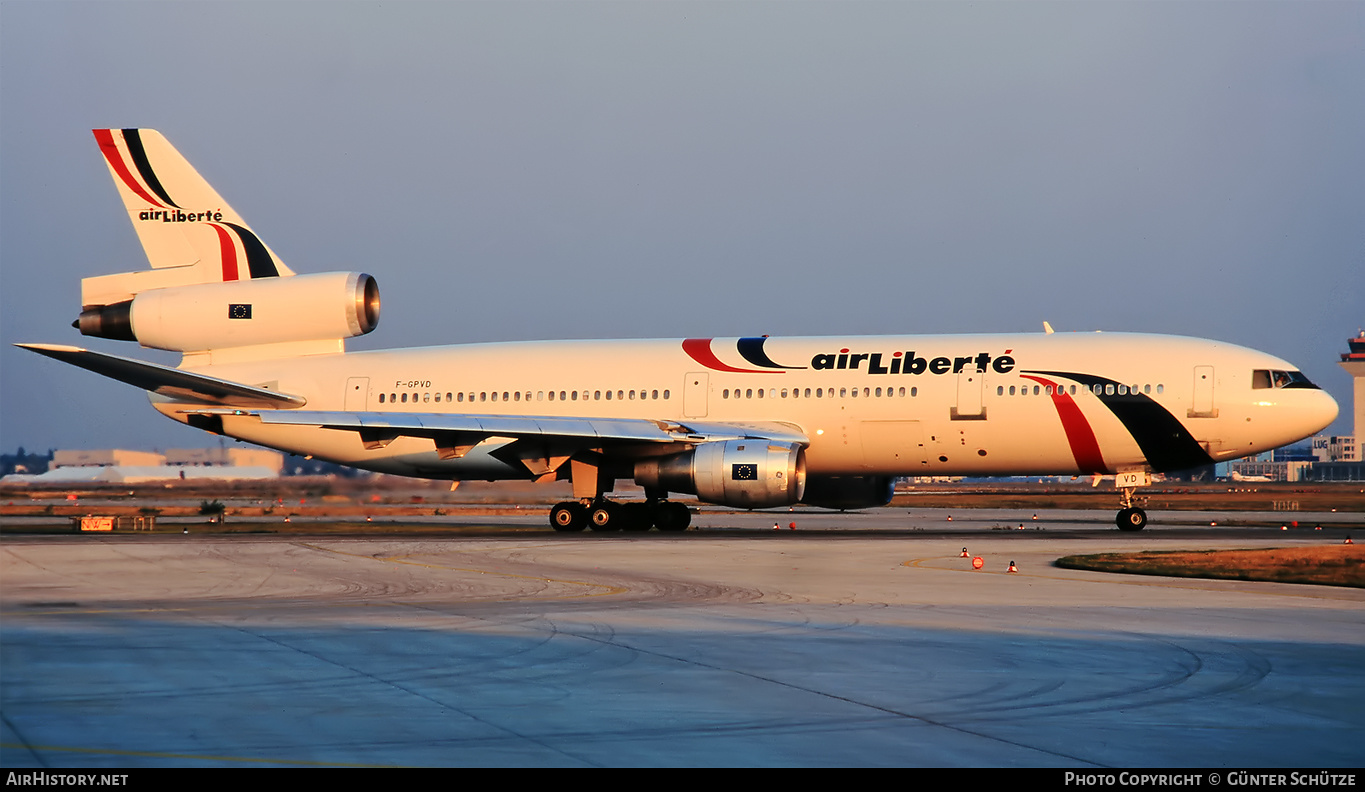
(1269,378)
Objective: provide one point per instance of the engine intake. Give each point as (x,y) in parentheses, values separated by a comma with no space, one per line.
(749,474)
(323,307)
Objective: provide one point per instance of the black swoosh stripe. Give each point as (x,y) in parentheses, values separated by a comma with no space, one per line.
(258,260)
(133,138)
(1166,443)
(751,349)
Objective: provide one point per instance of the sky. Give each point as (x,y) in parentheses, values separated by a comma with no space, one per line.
(528,170)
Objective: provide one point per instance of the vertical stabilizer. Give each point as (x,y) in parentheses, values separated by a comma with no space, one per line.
(189,233)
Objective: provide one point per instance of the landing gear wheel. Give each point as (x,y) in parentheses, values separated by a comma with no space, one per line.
(1131,519)
(672,517)
(568,516)
(604,516)
(636,517)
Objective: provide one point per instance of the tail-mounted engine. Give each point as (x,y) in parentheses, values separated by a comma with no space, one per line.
(749,474)
(206,316)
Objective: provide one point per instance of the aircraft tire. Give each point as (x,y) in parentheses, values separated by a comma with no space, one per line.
(568,517)
(605,516)
(636,517)
(1131,519)
(673,517)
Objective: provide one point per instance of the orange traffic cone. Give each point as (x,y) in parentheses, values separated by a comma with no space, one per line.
(964,553)
(1012,568)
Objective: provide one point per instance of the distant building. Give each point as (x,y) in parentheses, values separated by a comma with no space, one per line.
(1354,363)
(226,457)
(113,457)
(121,466)
(1335,449)
(1256,470)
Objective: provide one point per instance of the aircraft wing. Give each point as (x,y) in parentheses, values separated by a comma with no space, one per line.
(455,433)
(167,381)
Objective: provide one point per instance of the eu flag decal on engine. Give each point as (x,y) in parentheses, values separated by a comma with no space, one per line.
(744,472)
(239,311)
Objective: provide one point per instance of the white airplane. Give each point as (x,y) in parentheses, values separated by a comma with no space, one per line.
(745,422)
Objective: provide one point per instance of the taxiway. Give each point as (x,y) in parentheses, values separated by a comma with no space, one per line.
(663,650)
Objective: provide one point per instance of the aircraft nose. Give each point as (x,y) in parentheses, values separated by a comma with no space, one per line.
(1319,413)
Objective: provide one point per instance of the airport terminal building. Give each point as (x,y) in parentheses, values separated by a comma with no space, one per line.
(123,466)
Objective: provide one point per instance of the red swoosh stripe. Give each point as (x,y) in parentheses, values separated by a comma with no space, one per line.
(699,349)
(229,252)
(1084,447)
(110,151)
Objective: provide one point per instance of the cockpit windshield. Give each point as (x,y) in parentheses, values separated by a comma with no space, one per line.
(1269,378)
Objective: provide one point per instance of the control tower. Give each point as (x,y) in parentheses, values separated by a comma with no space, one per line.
(1354,363)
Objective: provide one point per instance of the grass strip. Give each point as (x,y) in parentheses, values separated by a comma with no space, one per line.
(1325,565)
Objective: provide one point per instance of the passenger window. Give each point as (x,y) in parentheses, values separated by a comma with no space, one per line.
(381,398)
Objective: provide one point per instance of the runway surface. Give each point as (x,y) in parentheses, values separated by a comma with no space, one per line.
(693,649)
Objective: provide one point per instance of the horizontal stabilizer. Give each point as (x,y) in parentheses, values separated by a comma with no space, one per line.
(166,381)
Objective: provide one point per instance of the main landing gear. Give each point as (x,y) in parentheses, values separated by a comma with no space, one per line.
(604,515)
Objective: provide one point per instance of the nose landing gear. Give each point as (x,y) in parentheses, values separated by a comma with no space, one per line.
(1131,519)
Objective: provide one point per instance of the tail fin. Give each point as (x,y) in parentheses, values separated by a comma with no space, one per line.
(189,233)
